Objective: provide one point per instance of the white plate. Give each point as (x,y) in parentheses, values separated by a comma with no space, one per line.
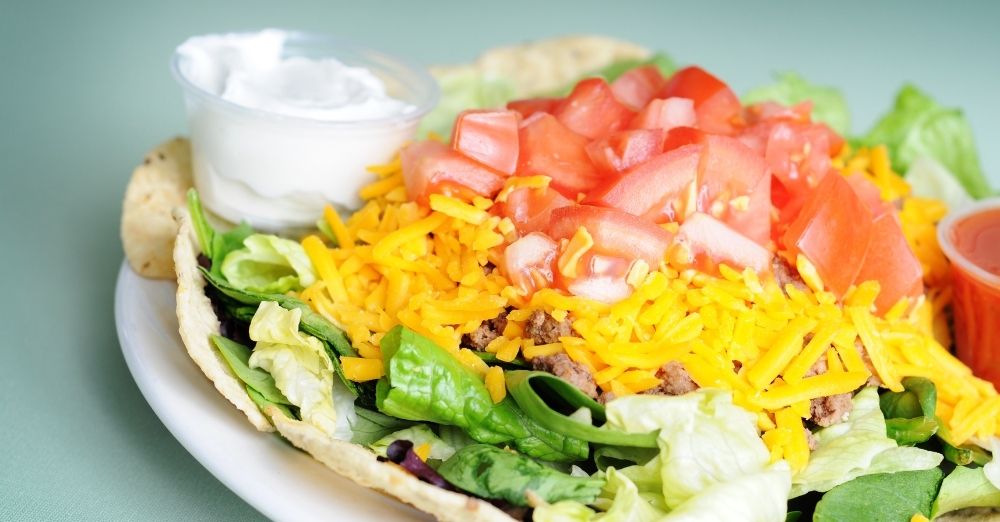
(280,481)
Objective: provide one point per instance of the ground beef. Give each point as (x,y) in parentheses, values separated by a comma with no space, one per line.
(811,440)
(818,367)
(606,397)
(489,330)
(785,273)
(544,329)
(568,370)
(827,411)
(675,380)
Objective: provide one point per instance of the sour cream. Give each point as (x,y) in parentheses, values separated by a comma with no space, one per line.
(283,123)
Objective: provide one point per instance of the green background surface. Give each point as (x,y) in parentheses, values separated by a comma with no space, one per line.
(85,91)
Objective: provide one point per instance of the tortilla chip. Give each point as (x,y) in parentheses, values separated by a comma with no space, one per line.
(360,465)
(156,187)
(547,65)
(197,322)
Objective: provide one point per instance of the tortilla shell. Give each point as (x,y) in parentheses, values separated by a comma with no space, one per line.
(147,227)
(361,466)
(197,322)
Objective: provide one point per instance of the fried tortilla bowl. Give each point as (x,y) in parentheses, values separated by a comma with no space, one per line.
(161,242)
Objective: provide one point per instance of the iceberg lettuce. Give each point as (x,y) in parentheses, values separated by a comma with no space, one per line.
(270,264)
(302,370)
(857,447)
(418,435)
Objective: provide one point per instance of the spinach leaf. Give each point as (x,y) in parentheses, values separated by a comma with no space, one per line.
(491,359)
(372,426)
(493,473)
(887,497)
(202,228)
(527,387)
(425,383)
(290,411)
(965,455)
(312,323)
(910,414)
(237,357)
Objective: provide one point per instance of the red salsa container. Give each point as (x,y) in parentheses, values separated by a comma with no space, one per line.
(971,240)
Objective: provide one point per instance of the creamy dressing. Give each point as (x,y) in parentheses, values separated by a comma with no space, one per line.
(251,70)
(304,130)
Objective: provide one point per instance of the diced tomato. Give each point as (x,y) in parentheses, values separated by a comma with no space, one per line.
(548,148)
(767,111)
(591,110)
(734,186)
(530,106)
(489,137)
(660,190)
(681,136)
(715,104)
(832,231)
(636,87)
(529,261)
(615,233)
(711,242)
(621,150)
(666,114)
(797,153)
(531,208)
(892,263)
(870,194)
(602,278)
(432,167)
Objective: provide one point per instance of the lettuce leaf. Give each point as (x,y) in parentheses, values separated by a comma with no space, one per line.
(856,447)
(966,487)
(790,88)
(562,511)
(425,383)
(704,439)
(493,473)
(237,357)
(214,245)
(418,435)
(885,496)
(372,426)
(930,179)
(992,469)
(910,414)
(302,370)
(268,263)
(918,126)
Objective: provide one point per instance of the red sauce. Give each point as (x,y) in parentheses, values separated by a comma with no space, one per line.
(977,298)
(977,237)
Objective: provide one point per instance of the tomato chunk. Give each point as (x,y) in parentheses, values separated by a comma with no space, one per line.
(548,148)
(734,186)
(707,242)
(892,263)
(530,106)
(432,167)
(666,114)
(529,262)
(489,137)
(602,278)
(660,190)
(832,231)
(870,194)
(636,87)
(531,208)
(680,136)
(615,233)
(621,150)
(591,110)
(715,104)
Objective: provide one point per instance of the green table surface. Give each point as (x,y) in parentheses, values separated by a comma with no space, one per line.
(85,91)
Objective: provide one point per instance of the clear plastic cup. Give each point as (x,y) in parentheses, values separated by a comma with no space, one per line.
(976,296)
(278,171)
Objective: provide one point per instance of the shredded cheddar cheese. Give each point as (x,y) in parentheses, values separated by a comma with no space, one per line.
(431,270)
